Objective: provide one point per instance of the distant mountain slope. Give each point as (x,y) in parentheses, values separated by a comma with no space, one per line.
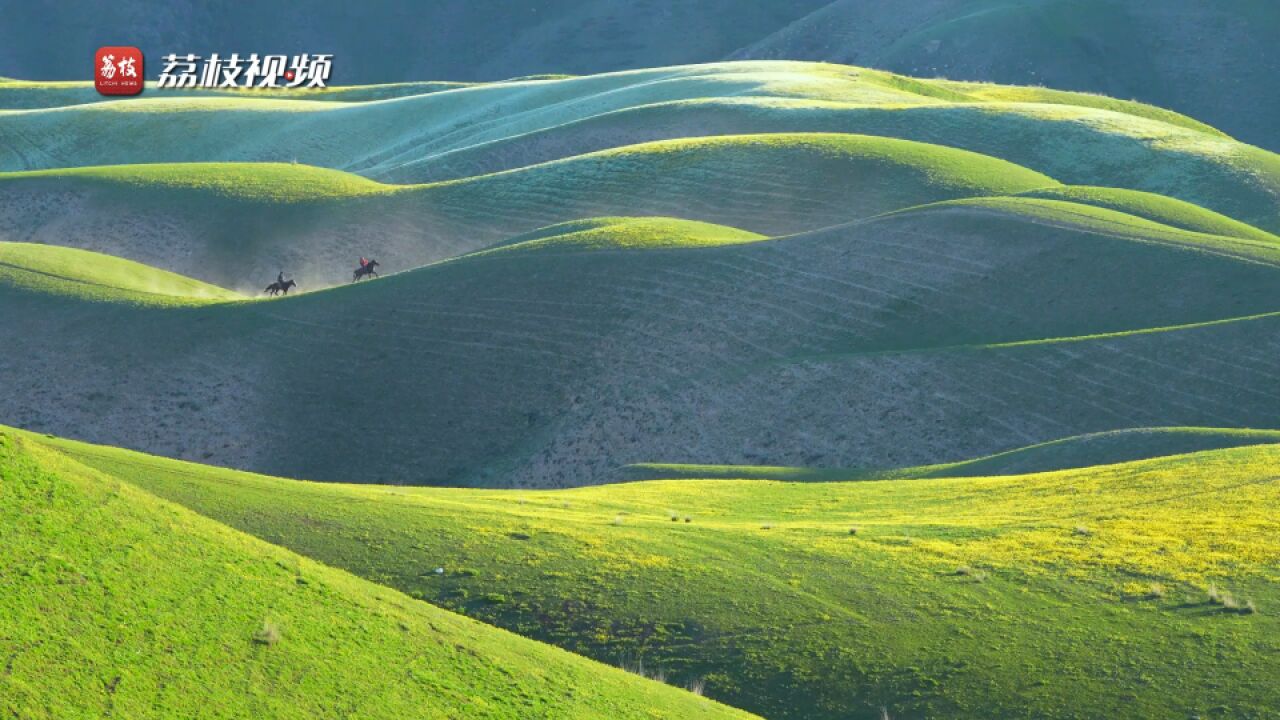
(1074,138)
(826,601)
(924,336)
(1208,60)
(163,613)
(1215,61)
(396,40)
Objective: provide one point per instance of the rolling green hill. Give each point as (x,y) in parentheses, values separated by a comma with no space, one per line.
(769,147)
(1081,451)
(1158,208)
(237,224)
(1209,60)
(68,272)
(37,94)
(926,336)
(962,598)
(936,397)
(395,40)
(163,613)
(358,128)
(827,391)
(434,136)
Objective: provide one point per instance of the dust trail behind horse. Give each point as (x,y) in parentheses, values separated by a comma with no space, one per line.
(276,288)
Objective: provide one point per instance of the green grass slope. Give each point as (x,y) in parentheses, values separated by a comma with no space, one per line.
(116,603)
(1081,451)
(943,333)
(964,598)
(1107,448)
(1240,243)
(1073,144)
(1076,138)
(624,233)
(1214,61)
(351,128)
(237,224)
(390,40)
(1158,208)
(92,276)
(1207,60)
(18,94)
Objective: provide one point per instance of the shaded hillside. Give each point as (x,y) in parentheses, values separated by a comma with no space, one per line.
(1209,60)
(926,336)
(1081,451)
(396,40)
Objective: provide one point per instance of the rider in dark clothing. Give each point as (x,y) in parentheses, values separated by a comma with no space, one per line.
(280,278)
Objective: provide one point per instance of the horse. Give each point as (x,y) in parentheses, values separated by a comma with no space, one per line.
(276,288)
(366,269)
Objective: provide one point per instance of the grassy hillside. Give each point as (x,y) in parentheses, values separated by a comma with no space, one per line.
(18,94)
(715,143)
(1159,208)
(237,224)
(161,613)
(356,128)
(1081,451)
(1202,59)
(432,136)
(1100,449)
(393,40)
(937,598)
(623,233)
(1095,217)
(68,272)
(920,337)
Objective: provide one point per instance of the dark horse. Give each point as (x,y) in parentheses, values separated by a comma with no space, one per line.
(366,269)
(276,288)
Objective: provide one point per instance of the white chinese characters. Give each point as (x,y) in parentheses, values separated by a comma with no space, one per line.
(109,67)
(254,71)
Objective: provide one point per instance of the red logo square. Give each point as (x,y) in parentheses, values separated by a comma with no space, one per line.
(118,70)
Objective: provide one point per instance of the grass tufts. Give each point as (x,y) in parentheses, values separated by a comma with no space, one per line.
(268,634)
